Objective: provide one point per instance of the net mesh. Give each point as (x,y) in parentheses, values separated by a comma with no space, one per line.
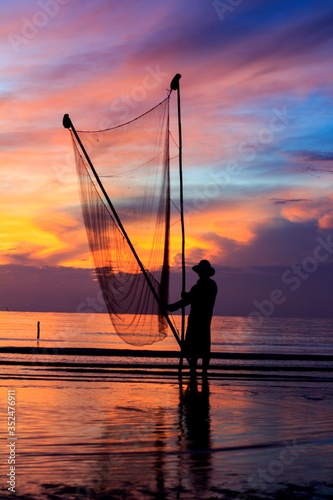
(132,162)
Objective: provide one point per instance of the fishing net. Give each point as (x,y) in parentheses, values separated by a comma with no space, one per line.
(127,219)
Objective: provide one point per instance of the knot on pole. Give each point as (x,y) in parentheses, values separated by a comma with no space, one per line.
(174,85)
(66,121)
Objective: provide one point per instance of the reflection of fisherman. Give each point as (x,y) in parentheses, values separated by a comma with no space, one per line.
(202,299)
(195,434)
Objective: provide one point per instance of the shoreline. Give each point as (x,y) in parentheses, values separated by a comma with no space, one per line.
(145,353)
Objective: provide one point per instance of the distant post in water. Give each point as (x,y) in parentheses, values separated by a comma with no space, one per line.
(38,329)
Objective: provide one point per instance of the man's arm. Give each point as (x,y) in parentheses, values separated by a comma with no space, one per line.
(185,301)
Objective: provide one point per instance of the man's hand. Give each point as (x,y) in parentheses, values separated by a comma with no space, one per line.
(172,307)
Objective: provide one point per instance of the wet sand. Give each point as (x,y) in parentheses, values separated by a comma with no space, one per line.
(81,436)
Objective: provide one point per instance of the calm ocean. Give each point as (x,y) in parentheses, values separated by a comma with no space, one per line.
(259,428)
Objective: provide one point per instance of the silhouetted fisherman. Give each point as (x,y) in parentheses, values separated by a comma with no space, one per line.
(202,299)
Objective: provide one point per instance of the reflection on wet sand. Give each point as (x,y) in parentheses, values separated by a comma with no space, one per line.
(164,439)
(160,444)
(195,433)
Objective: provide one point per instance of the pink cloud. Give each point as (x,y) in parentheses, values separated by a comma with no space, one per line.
(108,63)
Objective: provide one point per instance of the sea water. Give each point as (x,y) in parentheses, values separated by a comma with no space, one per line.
(83,434)
(229,334)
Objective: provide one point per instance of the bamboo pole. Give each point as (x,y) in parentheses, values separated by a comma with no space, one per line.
(175,86)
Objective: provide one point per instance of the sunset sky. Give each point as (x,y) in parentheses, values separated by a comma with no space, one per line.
(257,122)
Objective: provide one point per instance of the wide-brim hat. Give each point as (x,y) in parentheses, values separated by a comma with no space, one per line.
(204,266)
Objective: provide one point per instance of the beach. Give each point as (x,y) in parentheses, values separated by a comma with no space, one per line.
(106,432)
(166,194)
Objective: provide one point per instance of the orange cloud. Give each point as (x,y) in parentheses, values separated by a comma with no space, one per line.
(312,208)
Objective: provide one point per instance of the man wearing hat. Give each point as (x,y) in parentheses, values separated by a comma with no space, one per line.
(202,299)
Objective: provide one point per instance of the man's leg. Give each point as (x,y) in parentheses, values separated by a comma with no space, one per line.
(194,362)
(205,364)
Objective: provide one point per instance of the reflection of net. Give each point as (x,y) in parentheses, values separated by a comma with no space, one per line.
(132,161)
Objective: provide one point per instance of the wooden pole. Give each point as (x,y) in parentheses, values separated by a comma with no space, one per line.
(175,86)
(38,329)
(67,123)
